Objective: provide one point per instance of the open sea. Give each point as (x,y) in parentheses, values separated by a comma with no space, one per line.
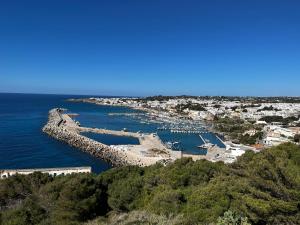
(24,145)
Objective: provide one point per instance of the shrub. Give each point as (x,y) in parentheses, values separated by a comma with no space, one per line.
(264,187)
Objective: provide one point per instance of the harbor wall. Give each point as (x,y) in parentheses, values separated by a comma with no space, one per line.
(56,129)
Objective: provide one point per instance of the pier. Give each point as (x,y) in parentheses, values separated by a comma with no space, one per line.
(150,150)
(205,145)
(202,138)
(221,140)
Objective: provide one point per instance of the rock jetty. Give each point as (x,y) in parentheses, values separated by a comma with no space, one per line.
(61,127)
(55,128)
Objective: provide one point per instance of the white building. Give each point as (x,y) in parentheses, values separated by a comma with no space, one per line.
(50,171)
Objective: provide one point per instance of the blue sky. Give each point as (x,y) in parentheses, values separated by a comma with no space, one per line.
(133,47)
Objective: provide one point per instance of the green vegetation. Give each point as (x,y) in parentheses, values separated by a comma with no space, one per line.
(251,140)
(137,218)
(297,138)
(235,128)
(232,218)
(266,108)
(146,217)
(191,106)
(250,106)
(280,119)
(258,189)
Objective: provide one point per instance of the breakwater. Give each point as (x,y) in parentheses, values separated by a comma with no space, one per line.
(61,127)
(56,128)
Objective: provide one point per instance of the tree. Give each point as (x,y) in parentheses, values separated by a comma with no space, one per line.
(262,188)
(123,193)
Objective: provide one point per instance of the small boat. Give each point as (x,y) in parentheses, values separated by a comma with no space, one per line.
(206,145)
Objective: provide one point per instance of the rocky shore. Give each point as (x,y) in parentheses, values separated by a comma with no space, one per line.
(150,150)
(56,128)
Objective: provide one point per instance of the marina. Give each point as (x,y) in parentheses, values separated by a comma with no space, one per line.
(150,113)
(206,144)
(34,151)
(177,133)
(149,149)
(43,151)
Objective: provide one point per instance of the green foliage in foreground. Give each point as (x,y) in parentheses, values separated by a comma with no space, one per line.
(297,138)
(137,218)
(231,218)
(148,218)
(258,189)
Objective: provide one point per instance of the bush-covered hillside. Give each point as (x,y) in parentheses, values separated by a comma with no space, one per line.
(263,187)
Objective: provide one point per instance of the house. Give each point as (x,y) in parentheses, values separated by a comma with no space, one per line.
(261,122)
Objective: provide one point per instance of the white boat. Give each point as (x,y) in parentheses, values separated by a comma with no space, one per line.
(206,145)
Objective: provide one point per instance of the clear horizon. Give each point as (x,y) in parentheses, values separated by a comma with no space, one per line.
(141,96)
(119,48)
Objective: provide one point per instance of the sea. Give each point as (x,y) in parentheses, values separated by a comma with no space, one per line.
(23,144)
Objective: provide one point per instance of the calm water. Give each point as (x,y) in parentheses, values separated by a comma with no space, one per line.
(24,145)
(112,139)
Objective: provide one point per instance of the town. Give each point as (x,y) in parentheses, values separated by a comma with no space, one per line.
(254,122)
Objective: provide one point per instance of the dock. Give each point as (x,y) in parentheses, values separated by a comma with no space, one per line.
(202,138)
(221,140)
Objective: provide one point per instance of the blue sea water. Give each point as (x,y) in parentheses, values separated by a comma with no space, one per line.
(24,145)
(112,139)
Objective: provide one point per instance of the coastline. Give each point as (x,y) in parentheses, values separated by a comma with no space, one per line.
(209,125)
(230,150)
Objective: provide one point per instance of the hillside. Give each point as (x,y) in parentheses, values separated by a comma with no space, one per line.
(263,187)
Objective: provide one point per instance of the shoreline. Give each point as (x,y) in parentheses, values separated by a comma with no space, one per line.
(227,151)
(209,125)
